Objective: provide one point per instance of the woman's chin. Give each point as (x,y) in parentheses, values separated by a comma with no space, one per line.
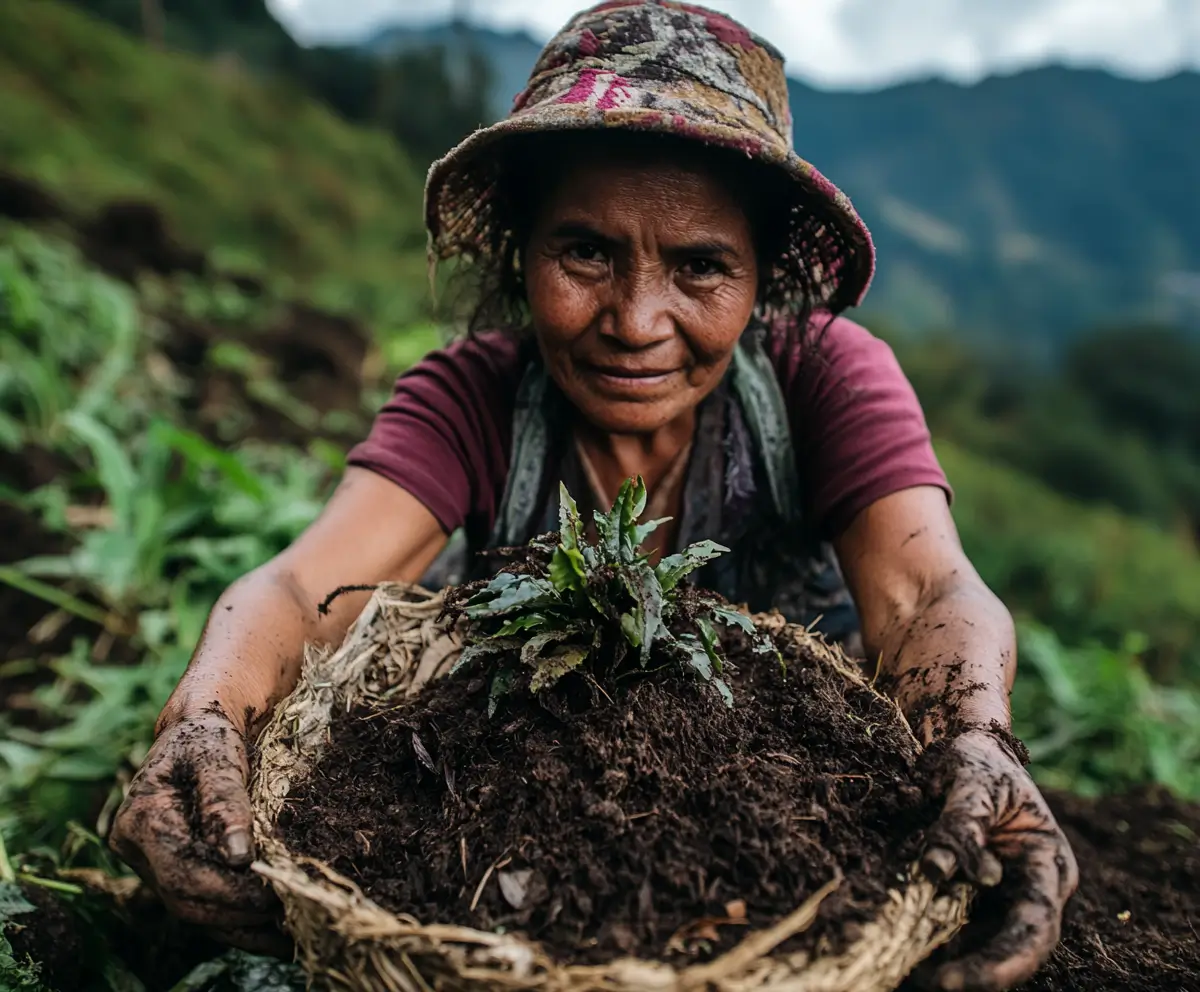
(629,416)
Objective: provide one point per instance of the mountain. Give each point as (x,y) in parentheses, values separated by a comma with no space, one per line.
(511,54)
(1028,206)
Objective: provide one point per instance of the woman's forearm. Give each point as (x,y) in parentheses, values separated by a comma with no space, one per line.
(250,653)
(951,664)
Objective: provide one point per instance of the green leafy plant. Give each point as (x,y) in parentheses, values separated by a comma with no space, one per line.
(1095,722)
(603,603)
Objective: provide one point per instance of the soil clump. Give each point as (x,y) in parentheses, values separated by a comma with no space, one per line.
(656,822)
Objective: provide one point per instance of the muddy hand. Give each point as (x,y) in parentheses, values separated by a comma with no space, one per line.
(996,824)
(185,828)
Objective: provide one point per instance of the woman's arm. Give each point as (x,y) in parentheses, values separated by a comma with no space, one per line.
(249,655)
(946,651)
(185,825)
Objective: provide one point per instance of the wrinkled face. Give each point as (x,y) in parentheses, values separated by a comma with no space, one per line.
(641,277)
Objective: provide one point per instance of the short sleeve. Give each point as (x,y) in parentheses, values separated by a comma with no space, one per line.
(444,436)
(857,425)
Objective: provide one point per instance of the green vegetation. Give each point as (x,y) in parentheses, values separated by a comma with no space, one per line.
(261,174)
(599,602)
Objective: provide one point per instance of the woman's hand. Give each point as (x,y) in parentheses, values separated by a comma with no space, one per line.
(186,828)
(995,825)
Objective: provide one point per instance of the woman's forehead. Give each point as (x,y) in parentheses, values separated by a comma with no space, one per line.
(653,193)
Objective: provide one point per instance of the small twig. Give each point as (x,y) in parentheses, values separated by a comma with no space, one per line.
(323,606)
(462,850)
(601,688)
(638,816)
(483,881)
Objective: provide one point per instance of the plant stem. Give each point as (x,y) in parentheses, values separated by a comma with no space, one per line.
(49,883)
(56,597)
(6,868)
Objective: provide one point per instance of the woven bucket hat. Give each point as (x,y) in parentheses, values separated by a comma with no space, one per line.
(672,68)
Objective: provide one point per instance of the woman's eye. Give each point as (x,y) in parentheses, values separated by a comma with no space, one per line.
(586,252)
(702,268)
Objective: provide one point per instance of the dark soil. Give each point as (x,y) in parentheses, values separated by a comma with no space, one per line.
(1134,923)
(51,937)
(604,828)
(73,943)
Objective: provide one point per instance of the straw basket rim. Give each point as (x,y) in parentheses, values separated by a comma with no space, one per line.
(347,941)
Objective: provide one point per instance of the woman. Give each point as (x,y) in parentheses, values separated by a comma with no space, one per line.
(664,272)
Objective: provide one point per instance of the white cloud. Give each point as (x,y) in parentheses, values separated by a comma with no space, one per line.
(857,43)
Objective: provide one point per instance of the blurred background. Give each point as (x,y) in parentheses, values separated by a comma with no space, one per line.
(212,268)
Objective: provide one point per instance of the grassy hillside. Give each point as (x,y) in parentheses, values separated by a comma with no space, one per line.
(260,172)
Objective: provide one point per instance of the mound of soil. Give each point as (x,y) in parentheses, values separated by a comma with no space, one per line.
(656,823)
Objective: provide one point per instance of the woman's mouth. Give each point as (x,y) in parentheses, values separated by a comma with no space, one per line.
(627,380)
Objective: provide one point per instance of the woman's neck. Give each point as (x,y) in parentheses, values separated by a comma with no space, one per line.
(613,458)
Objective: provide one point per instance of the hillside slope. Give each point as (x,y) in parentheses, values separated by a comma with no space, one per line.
(255,169)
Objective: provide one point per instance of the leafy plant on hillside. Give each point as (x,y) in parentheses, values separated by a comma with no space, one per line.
(603,603)
(68,341)
(1095,722)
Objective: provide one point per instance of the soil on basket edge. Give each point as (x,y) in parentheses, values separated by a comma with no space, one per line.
(639,825)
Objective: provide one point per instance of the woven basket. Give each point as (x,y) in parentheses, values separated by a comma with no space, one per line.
(346,941)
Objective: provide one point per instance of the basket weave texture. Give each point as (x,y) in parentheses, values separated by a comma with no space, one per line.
(346,941)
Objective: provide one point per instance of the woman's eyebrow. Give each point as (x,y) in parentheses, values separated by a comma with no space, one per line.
(579,229)
(707,248)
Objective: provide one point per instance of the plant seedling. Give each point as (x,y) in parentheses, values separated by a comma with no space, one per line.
(600,605)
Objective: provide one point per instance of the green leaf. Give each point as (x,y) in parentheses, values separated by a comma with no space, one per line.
(554,666)
(567,569)
(532,649)
(732,618)
(695,655)
(643,531)
(631,629)
(570,527)
(517,624)
(502,684)
(508,593)
(484,649)
(13,902)
(113,466)
(643,585)
(674,567)
(708,637)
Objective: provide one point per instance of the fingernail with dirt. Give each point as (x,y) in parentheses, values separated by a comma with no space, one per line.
(237,847)
(939,863)
(990,870)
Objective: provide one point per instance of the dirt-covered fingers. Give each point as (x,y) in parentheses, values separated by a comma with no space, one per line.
(961,837)
(153,837)
(222,802)
(1030,930)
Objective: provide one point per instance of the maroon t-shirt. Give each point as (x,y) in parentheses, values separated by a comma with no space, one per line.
(445,436)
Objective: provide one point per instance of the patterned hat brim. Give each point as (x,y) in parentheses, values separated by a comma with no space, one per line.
(834,242)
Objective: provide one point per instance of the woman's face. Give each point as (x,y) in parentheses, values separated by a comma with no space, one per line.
(641,277)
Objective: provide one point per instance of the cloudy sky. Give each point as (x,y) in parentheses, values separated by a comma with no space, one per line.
(857,43)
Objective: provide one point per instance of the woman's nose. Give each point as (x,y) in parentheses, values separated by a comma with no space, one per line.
(642,312)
